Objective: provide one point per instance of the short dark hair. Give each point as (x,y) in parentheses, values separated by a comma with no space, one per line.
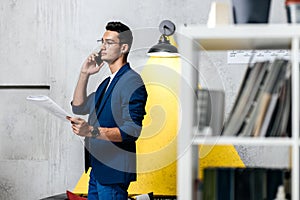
(125,34)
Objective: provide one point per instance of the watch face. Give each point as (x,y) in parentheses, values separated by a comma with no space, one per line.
(95,132)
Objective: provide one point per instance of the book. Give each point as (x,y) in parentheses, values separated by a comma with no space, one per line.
(269,114)
(281,117)
(225,183)
(222,183)
(275,178)
(273,83)
(259,184)
(242,189)
(210,184)
(287,112)
(211,105)
(203,107)
(264,108)
(247,93)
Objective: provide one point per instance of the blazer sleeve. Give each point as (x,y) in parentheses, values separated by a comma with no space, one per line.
(133,110)
(84,108)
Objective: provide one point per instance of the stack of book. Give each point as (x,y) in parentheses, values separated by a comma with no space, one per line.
(210,111)
(263,104)
(245,183)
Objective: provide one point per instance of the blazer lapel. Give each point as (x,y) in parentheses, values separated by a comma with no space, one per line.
(111,86)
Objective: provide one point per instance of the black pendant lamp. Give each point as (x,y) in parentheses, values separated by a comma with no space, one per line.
(164,47)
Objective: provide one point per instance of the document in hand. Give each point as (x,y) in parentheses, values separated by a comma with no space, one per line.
(49,105)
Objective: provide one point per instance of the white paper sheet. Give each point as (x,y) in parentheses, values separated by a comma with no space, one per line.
(49,105)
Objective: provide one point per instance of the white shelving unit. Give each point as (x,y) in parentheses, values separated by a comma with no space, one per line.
(195,38)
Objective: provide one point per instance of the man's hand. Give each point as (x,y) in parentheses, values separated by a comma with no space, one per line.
(89,66)
(80,126)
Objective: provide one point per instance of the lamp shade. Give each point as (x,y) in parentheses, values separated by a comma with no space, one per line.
(163,49)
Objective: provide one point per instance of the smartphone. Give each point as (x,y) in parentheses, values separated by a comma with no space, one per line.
(98,58)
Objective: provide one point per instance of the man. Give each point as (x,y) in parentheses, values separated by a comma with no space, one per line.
(115,118)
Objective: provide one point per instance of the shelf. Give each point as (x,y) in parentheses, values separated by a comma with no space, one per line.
(249,36)
(195,38)
(225,140)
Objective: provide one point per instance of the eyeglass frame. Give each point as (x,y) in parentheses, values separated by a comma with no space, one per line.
(108,43)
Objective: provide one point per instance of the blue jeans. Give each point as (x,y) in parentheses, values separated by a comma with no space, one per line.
(99,191)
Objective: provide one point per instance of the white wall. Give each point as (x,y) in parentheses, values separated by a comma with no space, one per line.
(44,42)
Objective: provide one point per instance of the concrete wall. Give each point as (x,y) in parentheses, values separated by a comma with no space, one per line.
(43,43)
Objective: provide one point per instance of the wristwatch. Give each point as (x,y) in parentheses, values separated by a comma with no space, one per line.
(95,132)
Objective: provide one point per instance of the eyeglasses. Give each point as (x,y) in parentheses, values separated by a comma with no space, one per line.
(107,43)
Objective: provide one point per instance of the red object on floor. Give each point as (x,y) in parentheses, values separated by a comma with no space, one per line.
(72,196)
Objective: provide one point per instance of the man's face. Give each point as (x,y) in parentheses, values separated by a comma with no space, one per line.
(111,47)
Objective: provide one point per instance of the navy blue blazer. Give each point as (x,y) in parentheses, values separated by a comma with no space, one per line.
(122,106)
